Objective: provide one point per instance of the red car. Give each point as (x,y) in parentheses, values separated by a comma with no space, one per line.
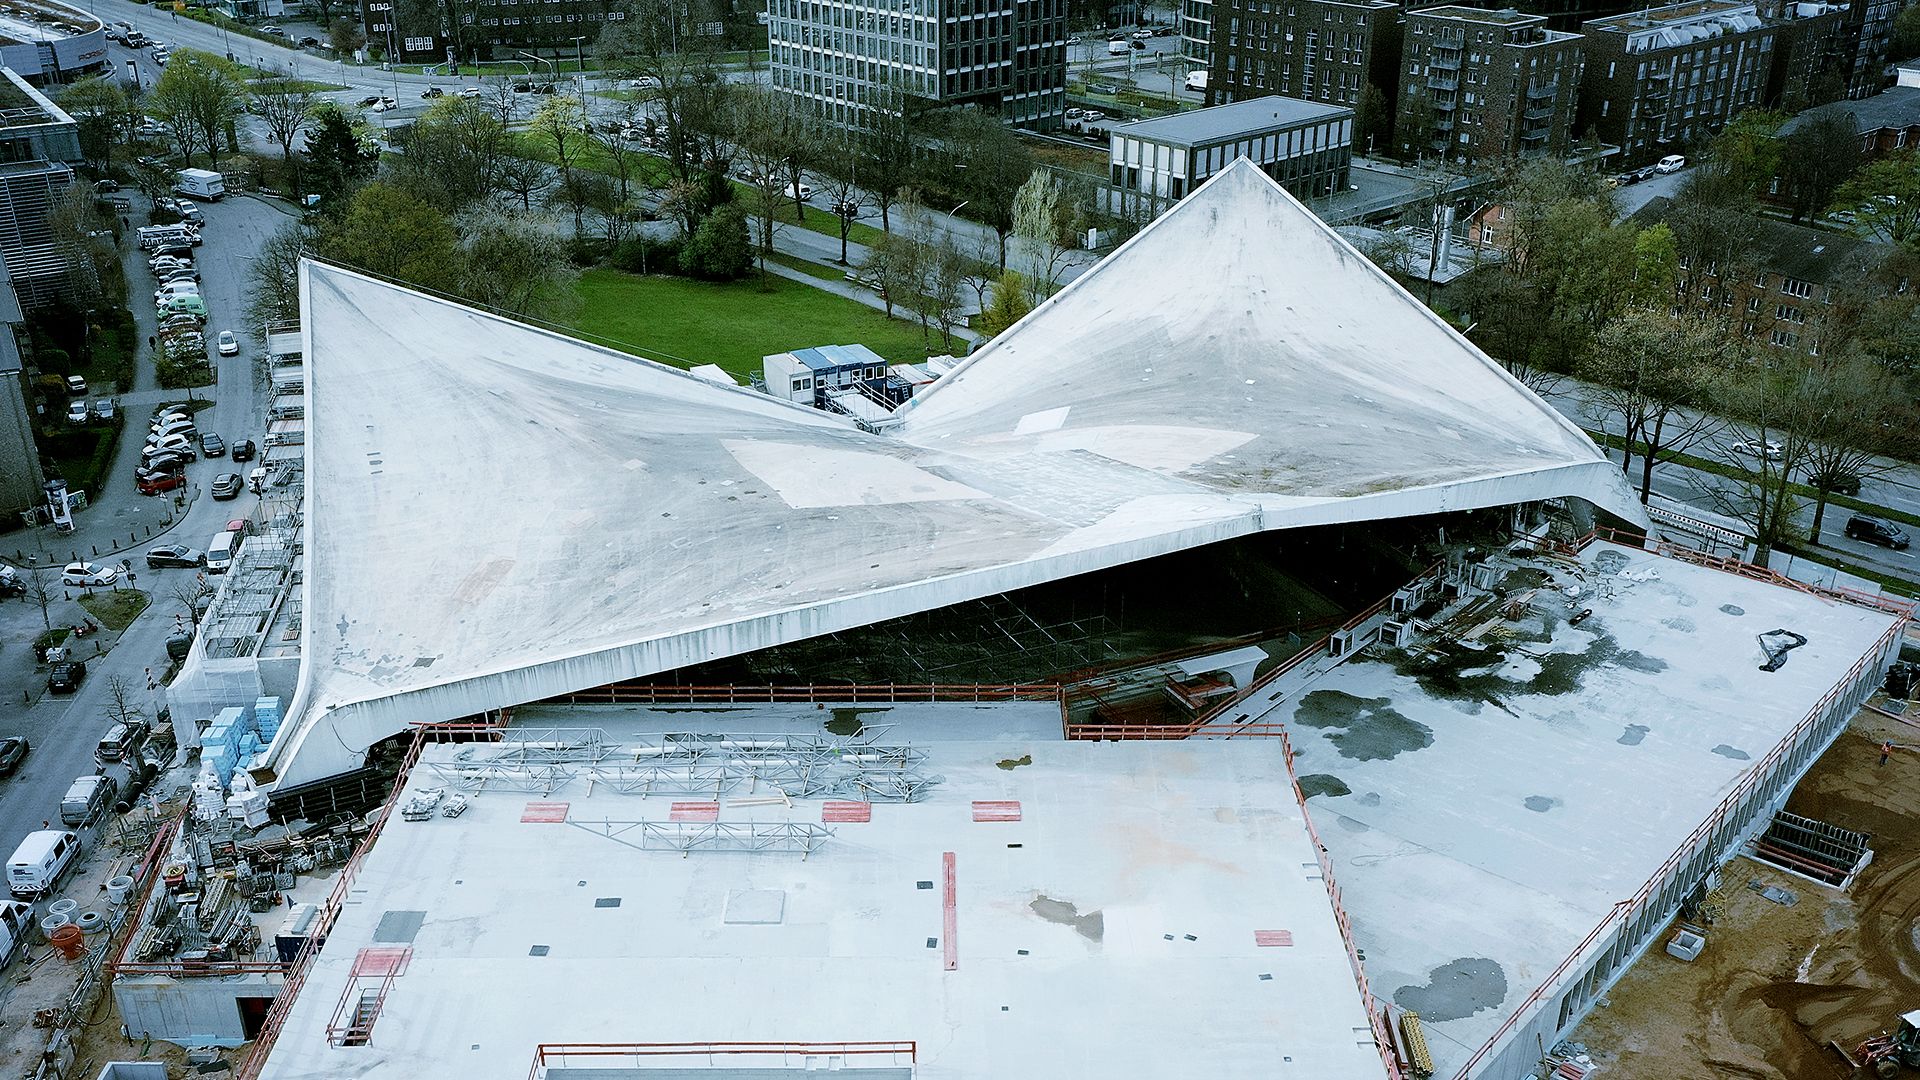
(153,483)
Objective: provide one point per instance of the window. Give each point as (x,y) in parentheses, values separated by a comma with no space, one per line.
(1753,306)
(1783,339)
(1796,287)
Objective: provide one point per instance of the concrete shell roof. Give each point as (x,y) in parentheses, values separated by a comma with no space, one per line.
(498,514)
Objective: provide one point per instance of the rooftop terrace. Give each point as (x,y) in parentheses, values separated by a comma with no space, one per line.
(1045,909)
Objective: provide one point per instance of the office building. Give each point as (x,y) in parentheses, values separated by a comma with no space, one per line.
(1306,146)
(38,144)
(1007,57)
(1669,77)
(1478,85)
(1196,33)
(50,43)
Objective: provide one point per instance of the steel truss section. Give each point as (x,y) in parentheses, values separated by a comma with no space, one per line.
(689,837)
(798,766)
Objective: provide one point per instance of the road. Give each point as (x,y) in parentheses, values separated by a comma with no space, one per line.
(64,730)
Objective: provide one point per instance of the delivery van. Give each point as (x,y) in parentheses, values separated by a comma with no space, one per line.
(220,552)
(15,918)
(86,799)
(38,862)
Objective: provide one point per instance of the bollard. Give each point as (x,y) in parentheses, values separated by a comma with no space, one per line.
(96,551)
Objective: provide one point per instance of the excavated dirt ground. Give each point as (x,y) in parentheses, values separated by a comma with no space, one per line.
(1776,983)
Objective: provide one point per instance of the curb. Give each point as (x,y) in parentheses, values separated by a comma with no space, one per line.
(16,561)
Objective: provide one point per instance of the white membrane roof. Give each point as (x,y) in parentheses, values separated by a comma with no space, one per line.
(497,514)
(1108,933)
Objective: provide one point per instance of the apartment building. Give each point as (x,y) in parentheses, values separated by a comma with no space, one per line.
(1328,51)
(1477,85)
(1812,51)
(1669,77)
(1196,32)
(1008,57)
(1787,276)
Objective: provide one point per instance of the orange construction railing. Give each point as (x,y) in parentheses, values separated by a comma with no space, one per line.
(661,694)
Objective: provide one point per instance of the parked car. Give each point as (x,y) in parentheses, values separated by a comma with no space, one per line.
(1672,163)
(103,409)
(213,445)
(76,386)
(243,450)
(65,677)
(229,344)
(1770,450)
(801,191)
(77,411)
(272,29)
(176,409)
(191,305)
(162,461)
(470,92)
(175,555)
(121,740)
(1142,35)
(13,750)
(1877,531)
(158,481)
(228,486)
(88,574)
(309,42)
(172,444)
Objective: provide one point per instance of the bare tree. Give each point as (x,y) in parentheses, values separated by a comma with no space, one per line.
(284,106)
(187,592)
(839,176)
(1772,399)
(1862,429)
(273,280)
(525,179)
(43,588)
(1658,372)
(764,121)
(516,264)
(123,700)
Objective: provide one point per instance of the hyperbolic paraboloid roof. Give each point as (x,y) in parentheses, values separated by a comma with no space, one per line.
(498,514)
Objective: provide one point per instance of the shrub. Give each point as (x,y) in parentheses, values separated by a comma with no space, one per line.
(647,255)
(586,251)
(719,250)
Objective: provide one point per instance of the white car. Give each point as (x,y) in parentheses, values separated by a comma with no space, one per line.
(470,92)
(1770,450)
(1672,163)
(77,411)
(800,191)
(88,574)
(229,345)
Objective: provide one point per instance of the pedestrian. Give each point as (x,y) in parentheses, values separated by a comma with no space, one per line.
(46,823)
(152,341)
(1886,751)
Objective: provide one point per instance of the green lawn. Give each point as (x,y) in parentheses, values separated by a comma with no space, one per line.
(683,322)
(807,266)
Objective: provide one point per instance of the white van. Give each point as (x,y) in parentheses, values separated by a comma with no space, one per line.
(220,552)
(15,918)
(86,798)
(39,861)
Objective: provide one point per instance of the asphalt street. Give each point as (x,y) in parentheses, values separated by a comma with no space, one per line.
(65,729)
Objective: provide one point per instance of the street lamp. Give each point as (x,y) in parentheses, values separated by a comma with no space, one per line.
(580,60)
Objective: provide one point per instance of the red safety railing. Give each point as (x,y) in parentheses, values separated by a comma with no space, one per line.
(146,871)
(296,976)
(548,1055)
(1689,847)
(659,694)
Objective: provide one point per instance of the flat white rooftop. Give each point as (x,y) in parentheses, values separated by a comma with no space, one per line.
(1485,811)
(1107,933)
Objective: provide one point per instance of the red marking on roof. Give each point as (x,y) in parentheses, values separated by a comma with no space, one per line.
(694,811)
(378,962)
(836,811)
(996,810)
(1273,938)
(950,915)
(546,813)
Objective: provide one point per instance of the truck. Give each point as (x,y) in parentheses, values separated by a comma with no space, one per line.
(1197,80)
(1117,47)
(200,184)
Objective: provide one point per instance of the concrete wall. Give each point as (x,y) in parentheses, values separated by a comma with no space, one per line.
(133,1070)
(192,1012)
(1561,1008)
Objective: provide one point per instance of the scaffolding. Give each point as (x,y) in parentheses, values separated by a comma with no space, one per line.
(797,766)
(711,836)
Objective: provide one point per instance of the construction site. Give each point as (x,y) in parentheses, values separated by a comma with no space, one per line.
(1317,680)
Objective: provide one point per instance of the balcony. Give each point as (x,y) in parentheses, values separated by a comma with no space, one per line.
(1539,93)
(1444,104)
(1537,113)
(1534,136)
(1444,82)
(1443,61)
(1443,124)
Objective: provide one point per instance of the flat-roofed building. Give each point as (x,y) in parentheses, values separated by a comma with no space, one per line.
(1306,146)
(38,144)
(1664,78)
(1008,57)
(1478,84)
